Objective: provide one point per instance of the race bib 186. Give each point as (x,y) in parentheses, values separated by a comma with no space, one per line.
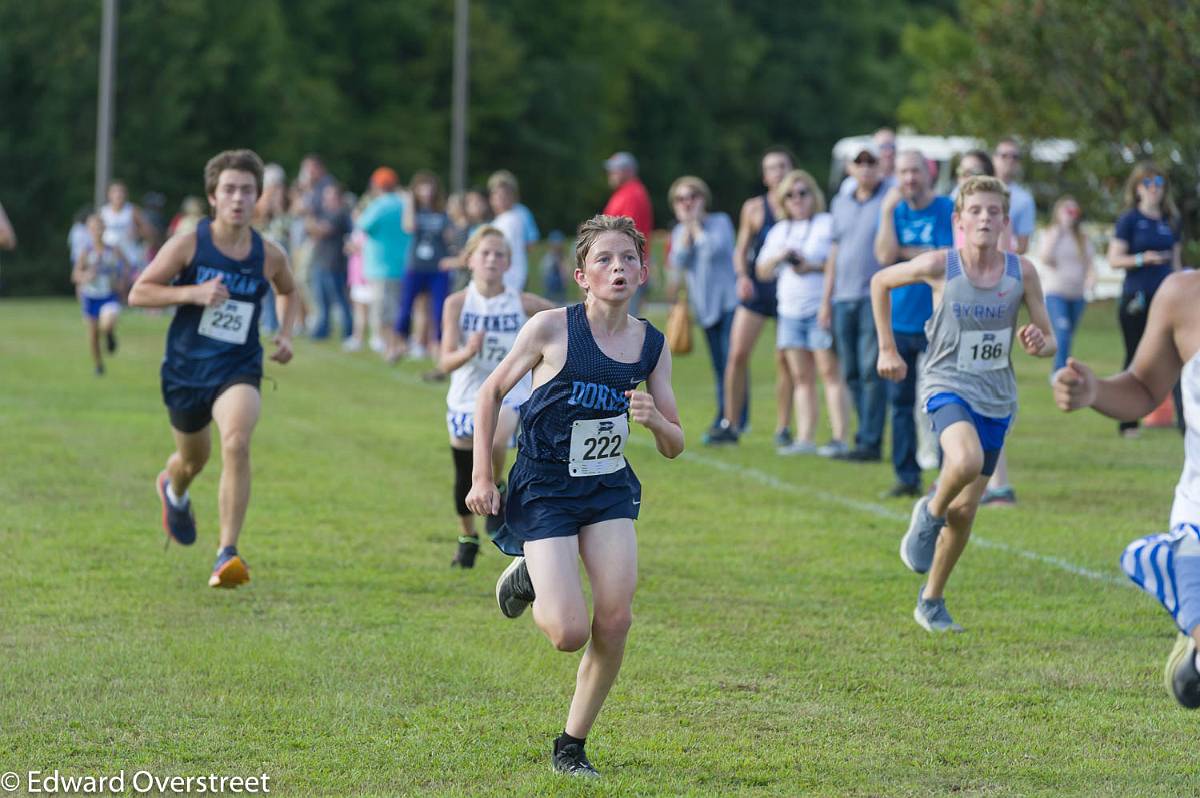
(229,322)
(598,446)
(983,350)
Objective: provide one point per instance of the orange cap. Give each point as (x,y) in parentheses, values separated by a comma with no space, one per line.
(384,178)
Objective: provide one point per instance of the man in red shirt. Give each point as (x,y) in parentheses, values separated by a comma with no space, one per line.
(629,197)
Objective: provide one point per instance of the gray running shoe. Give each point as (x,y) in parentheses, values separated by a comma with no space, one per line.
(833,449)
(933,615)
(571,760)
(797,447)
(920,541)
(1181,677)
(514,589)
(782,437)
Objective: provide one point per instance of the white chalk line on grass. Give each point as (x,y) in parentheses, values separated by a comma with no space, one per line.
(871,508)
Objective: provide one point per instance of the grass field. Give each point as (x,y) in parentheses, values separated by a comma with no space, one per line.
(773,651)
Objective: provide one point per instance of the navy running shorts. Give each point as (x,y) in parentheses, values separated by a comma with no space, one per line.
(190,407)
(543,501)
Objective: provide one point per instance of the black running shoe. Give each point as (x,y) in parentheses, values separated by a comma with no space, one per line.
(721,436)
(493,522)
(110,339)
(514,589)
(571,760)
(468,548)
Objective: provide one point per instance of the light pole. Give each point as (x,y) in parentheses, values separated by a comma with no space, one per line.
(104,104)
(458,123)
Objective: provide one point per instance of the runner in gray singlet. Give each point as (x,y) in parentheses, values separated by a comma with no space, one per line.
(967,387)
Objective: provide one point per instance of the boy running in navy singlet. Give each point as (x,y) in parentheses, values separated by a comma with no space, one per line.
(571,494)
(967,385)
(217,277)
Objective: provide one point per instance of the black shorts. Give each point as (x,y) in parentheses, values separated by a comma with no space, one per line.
(764,302)
(190,407)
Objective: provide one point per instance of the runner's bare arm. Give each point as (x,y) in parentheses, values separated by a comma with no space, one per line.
(930,268)
(1156,365)
(655,408)
(1037,337)
(455,353)
(748,225)
(8,236)
(526,353)
(153,288)
(278,273)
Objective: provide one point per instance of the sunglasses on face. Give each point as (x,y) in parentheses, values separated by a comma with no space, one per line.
(1156,181)
(686,197)
(866,160)
(799,193)
(1009,156)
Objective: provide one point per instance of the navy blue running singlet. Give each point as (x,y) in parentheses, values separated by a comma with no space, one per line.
(207,346)
(589,387)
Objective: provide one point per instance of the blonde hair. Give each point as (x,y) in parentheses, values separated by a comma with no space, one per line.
(800,176)
(1140,172)
(981,184)
(599,224)
(692,182)
(504,179)
(476,239)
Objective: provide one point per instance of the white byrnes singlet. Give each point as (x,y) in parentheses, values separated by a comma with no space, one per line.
(121,231)
(1186,509)
(500,317)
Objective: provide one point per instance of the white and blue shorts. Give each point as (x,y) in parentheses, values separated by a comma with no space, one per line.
(1167,566)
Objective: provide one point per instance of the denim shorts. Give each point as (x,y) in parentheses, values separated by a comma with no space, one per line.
(803,333)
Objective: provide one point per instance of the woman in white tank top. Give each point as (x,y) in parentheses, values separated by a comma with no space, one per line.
(479,326)
(1165,565)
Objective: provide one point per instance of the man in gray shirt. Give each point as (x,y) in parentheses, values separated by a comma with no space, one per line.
(846,306)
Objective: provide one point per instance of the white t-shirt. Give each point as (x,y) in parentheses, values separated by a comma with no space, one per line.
(799,295)
(512,224)
(1186,509)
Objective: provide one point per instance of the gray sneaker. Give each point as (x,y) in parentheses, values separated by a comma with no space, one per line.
(833,449)
(933,615)
(797,447)
(920,541)
(1181,677)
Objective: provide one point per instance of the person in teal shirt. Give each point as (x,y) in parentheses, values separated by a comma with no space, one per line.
(385,253)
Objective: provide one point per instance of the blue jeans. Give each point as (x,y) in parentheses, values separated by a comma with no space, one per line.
(1064,318)
(718,351)
(331,289)
(903,398)
(858,352)
(437,285)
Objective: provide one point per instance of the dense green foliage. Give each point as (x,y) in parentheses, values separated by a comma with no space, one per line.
(690,86)
(773,651)
(1117,77)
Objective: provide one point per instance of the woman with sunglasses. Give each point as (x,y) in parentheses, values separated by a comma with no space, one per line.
(702,249)
(1146,245)
(795,254)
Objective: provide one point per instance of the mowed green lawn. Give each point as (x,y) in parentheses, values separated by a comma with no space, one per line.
(773,650)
